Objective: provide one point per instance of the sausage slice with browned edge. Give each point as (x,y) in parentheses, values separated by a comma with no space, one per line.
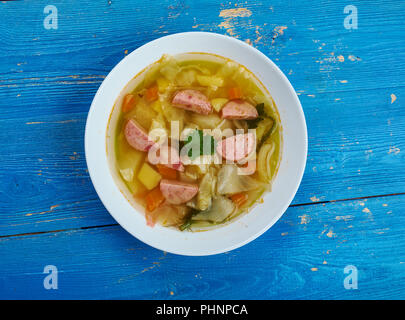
(137,137)
(192,100)
(177,192)
(237,147)
(239,110)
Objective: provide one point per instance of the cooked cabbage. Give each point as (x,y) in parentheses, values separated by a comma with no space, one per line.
(143,114)
(263,162)
(127,174)
(209,121)
(170,68)
(210,81)
(186,77)
(174,114)
(203,70)
(204,195)
(262,130)
(227,69)
(229,182)
(158,131)
(221,208)
(170,215)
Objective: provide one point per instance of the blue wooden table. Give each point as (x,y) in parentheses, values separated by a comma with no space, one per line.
(349,210)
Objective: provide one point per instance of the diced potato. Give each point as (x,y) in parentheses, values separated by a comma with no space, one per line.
(149,176)
(162,83)
(218,103)
(210,81)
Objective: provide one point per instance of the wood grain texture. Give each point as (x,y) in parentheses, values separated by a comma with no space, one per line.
(351,86)
(303,256)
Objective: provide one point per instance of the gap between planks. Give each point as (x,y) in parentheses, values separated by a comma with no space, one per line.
(116,224)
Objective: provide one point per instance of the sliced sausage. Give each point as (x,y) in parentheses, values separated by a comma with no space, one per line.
(237,147)
(137,137)
(177,192)
(167,156)
(192,100)
(239,110)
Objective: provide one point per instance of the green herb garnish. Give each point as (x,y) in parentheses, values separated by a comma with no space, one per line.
(185,225)
(252,124)
(260,110)
(261,124)
(199,144)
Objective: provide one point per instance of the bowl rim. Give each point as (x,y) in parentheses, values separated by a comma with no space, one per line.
(90,159)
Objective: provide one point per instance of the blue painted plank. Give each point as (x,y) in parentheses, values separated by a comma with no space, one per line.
(355,133)
(95,37)
(303,256)
(354,151)
(45,181)
(351,86)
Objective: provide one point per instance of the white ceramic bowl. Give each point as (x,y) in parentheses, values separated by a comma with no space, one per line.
(248,226)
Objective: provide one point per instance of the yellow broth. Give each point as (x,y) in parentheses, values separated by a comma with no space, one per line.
(201,73)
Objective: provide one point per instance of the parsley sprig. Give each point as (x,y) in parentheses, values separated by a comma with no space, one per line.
(199,144)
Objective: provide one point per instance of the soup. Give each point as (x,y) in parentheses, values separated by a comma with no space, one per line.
(197,142)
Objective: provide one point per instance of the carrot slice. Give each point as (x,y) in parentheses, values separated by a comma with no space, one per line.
(154,199)
(166,172)
(128,103)
(152,93)
(239,199)
(235,93)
